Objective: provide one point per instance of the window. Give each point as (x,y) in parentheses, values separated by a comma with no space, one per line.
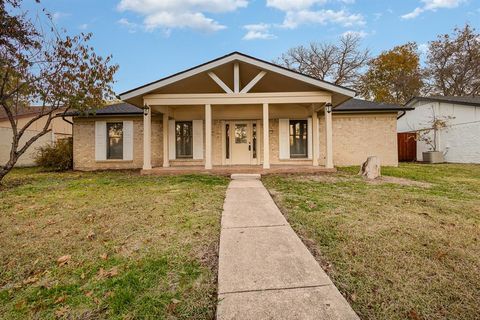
(184,139)
(298,139)
(115,140)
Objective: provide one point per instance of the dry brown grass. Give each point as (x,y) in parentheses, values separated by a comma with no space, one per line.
(396,250)
(159,235)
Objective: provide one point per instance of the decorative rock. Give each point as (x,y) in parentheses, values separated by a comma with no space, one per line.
(370,169)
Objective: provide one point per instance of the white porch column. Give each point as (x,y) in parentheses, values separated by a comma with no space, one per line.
(315,139)
(266,138)
(329,136)
(147,138)
(166,156)
(208,136)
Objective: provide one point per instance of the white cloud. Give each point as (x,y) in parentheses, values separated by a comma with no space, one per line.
(298,12)
(432,5)
(59,15)
(290,5)
(170,14)
(295,18)
(415,13)
(83,26)
(361,34)
(260,31)
(131,26)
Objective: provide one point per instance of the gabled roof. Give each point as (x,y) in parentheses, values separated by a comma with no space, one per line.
(465,100)
(122,108)
(236,56)
(364,105)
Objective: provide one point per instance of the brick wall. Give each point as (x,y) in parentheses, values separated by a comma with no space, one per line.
(355,137)
(84,144)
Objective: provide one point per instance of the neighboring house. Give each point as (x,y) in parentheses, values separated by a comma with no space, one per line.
(215,114)
(460,139)
(60,129)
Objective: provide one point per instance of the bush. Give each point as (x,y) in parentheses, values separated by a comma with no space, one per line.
(57,156)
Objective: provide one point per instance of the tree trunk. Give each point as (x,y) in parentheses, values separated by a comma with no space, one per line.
(370,169)
(4,170)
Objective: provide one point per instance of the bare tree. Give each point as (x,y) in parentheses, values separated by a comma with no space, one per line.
(340,63)
(453,63)
(39,65)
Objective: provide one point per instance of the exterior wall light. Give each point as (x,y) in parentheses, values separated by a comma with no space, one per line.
(328,107)
(145,110)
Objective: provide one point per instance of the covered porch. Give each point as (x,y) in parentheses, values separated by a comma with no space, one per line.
(230,131)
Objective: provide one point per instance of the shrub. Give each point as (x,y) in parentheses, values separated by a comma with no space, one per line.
(57,156)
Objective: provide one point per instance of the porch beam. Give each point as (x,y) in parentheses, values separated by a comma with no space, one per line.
(238,98)
(166,156)
(208,136)
(147,138)
(328,137)
(266,137)
(220,83)
(236,78)
(253,82)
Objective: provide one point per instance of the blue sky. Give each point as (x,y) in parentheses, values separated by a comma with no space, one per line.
(151,39)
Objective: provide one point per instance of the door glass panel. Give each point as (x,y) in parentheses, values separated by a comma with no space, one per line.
(240,133)
(254,141)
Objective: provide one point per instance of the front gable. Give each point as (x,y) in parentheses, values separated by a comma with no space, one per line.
(254,76)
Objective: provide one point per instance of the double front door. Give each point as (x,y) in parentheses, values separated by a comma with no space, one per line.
(242,141)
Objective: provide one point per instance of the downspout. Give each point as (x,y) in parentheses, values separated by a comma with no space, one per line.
(67,121)
(401,115)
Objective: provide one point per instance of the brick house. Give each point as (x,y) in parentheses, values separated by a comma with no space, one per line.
(214,116)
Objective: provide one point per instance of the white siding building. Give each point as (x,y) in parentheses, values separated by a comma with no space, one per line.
(460,140)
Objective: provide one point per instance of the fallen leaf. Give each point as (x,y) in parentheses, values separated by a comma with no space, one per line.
(107,273)
(63,260)
(412,314)
(89,293)
(82,276)
(60,299)
(108,294)
(61,312)
(353,297)
(30,280)
(104,256)
(91,235)
(175,301)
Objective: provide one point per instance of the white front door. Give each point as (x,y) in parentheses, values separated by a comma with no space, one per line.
(241,142)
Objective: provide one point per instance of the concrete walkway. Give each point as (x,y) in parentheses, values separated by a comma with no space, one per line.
(265,271)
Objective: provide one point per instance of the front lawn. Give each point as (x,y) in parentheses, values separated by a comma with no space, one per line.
(407,247)
(109,245)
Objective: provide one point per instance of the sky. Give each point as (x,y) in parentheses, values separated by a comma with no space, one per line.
(151,39)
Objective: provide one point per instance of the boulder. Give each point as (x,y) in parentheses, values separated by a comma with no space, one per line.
(370,169)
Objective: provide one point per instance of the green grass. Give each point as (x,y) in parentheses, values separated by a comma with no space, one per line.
(157,236)
(395,250)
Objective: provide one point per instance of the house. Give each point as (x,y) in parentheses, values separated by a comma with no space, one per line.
(215,114)
(60,128)
(459,140)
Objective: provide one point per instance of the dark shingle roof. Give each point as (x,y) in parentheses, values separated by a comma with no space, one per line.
(363,105)
(113,109)
(466,100)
